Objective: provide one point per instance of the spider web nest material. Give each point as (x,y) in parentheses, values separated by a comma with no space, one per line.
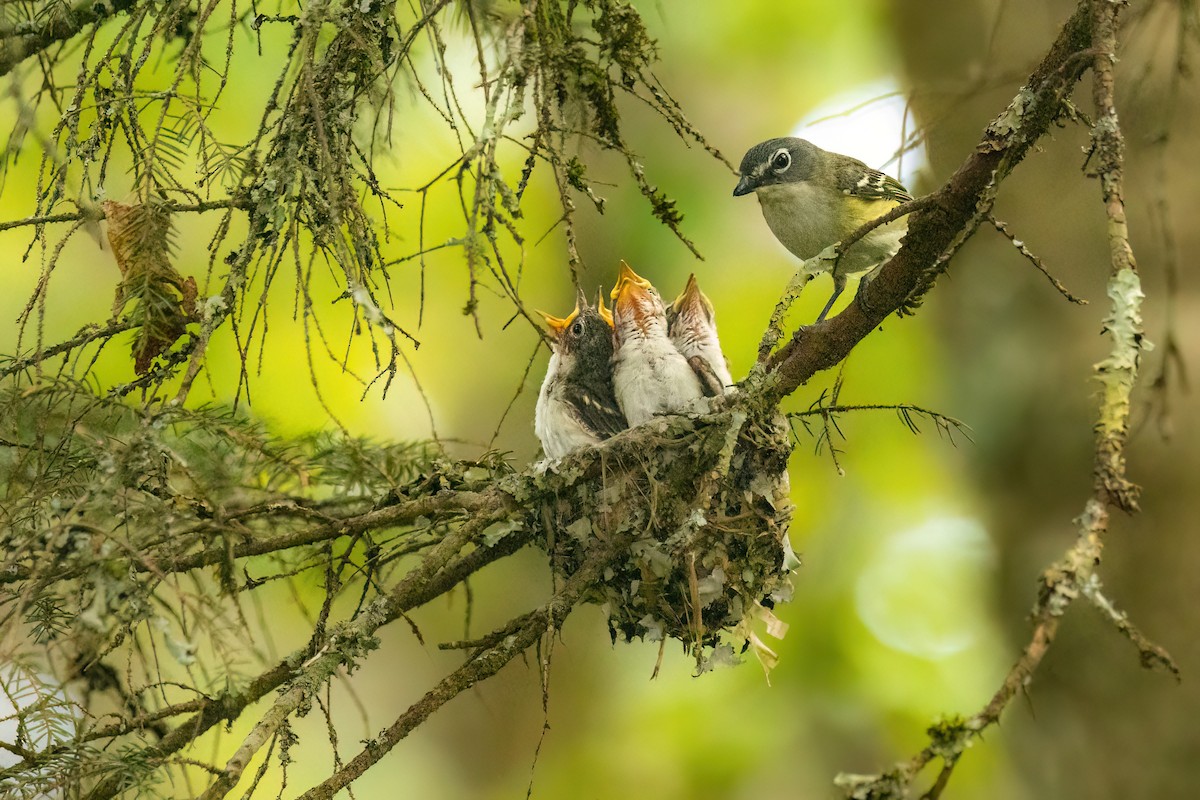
(705,501)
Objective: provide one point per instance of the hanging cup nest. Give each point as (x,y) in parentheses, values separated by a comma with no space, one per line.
(706,503)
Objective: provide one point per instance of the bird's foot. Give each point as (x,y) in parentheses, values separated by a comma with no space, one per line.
(860,298)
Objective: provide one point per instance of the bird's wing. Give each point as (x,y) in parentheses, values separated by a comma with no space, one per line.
(596,411)
(858,180)
(710,384)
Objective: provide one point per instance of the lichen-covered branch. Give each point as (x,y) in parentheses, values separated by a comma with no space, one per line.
(702,498)
(484,662)
(343,647)
(25,39)
(1117,373)
(1151,655)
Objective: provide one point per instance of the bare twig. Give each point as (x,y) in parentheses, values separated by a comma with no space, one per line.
(1152,655)
(1032,258)
(96,214)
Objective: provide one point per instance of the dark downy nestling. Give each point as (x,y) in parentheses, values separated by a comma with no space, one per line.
(576,406)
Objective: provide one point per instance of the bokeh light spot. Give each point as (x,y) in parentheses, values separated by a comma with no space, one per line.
(922,591)
(870,122)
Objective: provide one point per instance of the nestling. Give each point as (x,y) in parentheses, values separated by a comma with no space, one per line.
(692,326)
(649,375)
(812,198)
(576,406)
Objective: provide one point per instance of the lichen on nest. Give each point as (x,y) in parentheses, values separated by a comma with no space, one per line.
(704,501)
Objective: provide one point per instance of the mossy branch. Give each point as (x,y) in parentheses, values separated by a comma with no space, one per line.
(25,40)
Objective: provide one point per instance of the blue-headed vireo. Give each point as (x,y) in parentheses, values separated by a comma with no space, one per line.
(812,198)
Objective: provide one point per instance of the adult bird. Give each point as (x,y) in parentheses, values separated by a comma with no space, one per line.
(812,198)
(650,376)
(576,406)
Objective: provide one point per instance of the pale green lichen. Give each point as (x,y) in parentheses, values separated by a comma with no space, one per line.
(1118,372)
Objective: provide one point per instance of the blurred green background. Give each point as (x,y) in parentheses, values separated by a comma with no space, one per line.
(920,561)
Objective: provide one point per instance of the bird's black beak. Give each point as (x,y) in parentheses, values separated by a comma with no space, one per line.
(745,186)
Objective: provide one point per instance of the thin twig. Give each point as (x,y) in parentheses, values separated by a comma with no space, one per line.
(1032,258)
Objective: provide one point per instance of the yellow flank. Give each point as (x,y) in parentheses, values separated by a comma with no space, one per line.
(863,211)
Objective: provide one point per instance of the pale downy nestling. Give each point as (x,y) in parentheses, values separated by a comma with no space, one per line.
(812,198)
(576,406)
(692,326)
(649,375)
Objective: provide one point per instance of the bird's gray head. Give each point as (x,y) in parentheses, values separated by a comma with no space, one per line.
(593,342)
(783,160)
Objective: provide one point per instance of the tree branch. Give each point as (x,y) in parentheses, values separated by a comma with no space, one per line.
(436,574)
(96,214)
(434,506)
(24,40)
(1118,372)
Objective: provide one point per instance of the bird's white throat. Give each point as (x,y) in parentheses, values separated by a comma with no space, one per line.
(800,215)
(804,217)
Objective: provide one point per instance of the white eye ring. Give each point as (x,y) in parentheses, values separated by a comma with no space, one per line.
(781,161)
